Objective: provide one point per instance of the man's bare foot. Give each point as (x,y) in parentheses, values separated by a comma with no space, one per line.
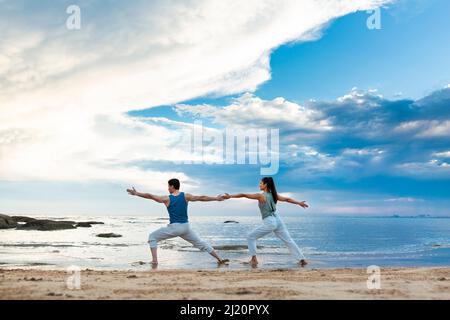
(223,262)
(154,264)
(302,263)
(254,262)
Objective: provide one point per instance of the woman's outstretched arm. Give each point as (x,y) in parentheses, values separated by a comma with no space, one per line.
(290,200)
(253,196)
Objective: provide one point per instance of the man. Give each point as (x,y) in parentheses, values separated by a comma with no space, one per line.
(176,204)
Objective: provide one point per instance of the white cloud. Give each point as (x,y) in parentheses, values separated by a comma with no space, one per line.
(309,161)
(444,154)
(361,98)
(425,128)
(62,92)
(362,152)
(436,129)
(433,168)
(251,111)
(403,199)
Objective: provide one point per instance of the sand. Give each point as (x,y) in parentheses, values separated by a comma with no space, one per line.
(396,283)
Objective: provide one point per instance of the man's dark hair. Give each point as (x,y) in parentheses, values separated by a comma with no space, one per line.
(174,183)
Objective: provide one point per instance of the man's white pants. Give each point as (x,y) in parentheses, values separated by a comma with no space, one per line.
(276,225)
(182,230)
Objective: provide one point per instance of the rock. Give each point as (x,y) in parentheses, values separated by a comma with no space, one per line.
(65,221)
(109,235)
(6,222)
(22,219)
(53,294)
(83,225)
(47,225)
(28,223)
(231,221)
(93,222)
(32,279)
(87,224)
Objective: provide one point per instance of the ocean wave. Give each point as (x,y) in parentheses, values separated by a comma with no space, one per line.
(111,244)
(52,245)
(26,264)
(233,247)
(38,245)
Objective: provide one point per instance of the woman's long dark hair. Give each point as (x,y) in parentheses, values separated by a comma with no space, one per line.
(268,181)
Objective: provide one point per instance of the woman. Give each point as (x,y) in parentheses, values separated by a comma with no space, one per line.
(267,201)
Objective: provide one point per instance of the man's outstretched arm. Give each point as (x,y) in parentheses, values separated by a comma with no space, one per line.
(159,199)
(190,197)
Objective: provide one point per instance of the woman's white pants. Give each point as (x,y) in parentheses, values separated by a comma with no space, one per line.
(276,225)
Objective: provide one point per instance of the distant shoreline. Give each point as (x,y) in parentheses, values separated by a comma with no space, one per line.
(57,216)
(274,284)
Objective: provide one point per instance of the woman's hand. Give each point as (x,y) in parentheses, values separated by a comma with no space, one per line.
(303,204)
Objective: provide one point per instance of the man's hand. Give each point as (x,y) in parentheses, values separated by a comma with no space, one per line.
(222,197)
(132,191)
(226,196)
(303,205)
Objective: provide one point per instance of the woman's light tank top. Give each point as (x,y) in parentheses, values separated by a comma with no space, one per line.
(269,207)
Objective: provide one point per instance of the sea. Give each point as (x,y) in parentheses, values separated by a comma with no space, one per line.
(326,241)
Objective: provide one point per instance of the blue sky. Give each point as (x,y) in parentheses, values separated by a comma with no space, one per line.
(364,119)
(408,55)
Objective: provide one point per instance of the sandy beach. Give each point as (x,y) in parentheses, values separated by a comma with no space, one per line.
(396,283)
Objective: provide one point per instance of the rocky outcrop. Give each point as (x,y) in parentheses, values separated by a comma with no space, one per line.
(231,221)
(109,235)
(22,219)
(83,225)
(47,225)
(87,224)
(6,222)
(28,223)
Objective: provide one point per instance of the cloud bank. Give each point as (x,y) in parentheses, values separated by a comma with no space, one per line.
(359,134)
(63,93)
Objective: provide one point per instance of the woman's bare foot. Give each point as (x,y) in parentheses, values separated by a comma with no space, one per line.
(254,262)
(302,263)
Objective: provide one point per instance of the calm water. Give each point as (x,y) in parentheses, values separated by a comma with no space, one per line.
(327,242)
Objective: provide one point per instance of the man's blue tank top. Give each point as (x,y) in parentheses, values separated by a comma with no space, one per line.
(178,209)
